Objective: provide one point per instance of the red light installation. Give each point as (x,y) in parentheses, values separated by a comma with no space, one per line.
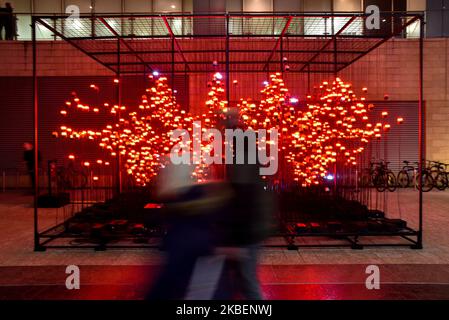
(141,137)
(331,128)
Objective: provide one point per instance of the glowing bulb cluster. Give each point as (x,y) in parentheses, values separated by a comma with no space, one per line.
(330,128)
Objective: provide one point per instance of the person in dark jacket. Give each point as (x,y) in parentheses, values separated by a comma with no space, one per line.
(8,21)
(28,157)
(242,227)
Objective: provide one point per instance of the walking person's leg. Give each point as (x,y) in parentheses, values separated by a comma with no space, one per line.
(205,279)
(249,281)
(225,287)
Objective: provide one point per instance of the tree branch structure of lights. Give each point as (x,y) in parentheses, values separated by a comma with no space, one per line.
(331,127)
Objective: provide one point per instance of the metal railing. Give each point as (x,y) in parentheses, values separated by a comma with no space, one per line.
(240,24)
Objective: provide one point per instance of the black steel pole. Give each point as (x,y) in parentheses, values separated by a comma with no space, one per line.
(422,152)
(92,19)
(172,62)
(119,103)
(37,246)
(228,94)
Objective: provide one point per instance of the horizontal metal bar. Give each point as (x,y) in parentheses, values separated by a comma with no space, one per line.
(223,36)
(232,71)
(232,14)
(99,53)
(222,62)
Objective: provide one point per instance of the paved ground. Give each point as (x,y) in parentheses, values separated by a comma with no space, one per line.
(304,274)
(16,239)
(286,282)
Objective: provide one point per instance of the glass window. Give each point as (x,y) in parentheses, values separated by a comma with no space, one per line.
(21,6)
(235,23)
(164,6)
(416,5)
(347,5)
(85,6)
(167,6)
(318,26)
(108,6)
(132,25)
(258,5)
(138,6)
(287,5)
(23,27)
(47,6)
(318,6)
(234,5)
(187,6)
(217,6)
(78,27)
(255,25)
(414,30)
(42,33)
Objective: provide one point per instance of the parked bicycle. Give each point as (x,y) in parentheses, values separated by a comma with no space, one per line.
(433,175)
(383,178)
(407,176)
(438,171)
(380,177)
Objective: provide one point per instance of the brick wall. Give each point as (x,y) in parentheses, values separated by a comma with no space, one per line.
(391,69)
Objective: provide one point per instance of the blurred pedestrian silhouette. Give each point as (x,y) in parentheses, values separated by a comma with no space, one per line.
(189,208)
(239,229)
(242,228)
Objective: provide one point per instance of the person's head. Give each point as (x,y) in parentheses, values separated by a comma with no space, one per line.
(28,146)
(8,5)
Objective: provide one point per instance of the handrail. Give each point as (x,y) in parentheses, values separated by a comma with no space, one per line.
(281,13)
(230,14)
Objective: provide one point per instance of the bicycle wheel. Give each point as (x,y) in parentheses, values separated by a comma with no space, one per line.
(426,181)
(434,173)
(391,181)
(441,181)
(403,179)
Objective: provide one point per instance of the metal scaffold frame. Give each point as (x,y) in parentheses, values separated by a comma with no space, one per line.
(131,44)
